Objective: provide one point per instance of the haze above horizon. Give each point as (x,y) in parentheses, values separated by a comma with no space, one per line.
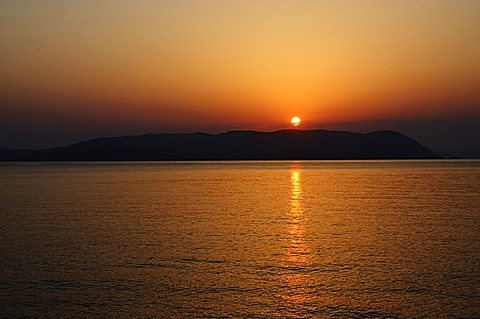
(75,70)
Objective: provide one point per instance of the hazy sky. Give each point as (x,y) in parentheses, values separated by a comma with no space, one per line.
(77,69)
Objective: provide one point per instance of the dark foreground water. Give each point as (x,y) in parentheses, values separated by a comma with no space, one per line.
(340,239)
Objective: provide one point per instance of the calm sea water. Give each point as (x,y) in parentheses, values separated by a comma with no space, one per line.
(335,239)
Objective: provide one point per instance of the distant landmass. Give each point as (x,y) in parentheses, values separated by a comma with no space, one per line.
(234,145)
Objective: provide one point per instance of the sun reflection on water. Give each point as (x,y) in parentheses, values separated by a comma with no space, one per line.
(297,259)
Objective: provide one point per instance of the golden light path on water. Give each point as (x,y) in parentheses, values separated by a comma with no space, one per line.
(298,256)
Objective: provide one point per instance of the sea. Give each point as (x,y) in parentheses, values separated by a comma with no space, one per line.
(240,239)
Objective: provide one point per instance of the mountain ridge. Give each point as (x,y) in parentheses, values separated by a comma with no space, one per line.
(285,144)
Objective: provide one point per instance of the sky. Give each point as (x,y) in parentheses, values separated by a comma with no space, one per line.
(73,70)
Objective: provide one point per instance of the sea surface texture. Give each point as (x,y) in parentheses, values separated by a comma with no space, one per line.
(313,239)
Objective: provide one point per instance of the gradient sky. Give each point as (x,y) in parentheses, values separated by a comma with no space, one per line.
(78,69)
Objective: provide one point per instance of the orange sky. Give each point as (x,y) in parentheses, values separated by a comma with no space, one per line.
(253,64)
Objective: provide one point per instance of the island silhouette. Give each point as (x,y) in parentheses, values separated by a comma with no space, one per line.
(234,145)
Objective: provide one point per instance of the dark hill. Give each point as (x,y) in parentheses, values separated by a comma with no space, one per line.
(236,145)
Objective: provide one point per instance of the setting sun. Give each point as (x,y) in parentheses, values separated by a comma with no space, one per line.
(295,121)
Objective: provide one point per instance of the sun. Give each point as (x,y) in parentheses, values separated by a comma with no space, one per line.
(295,121)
